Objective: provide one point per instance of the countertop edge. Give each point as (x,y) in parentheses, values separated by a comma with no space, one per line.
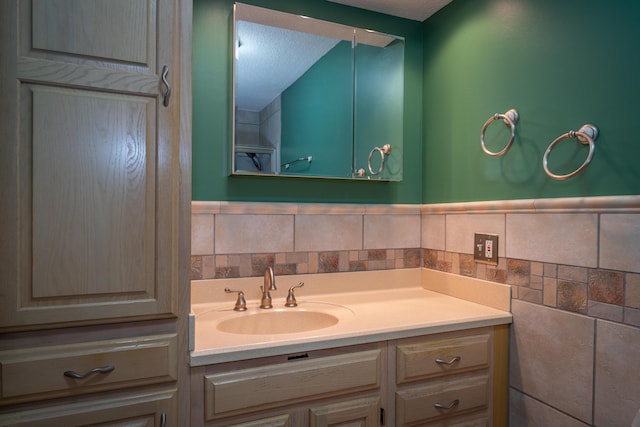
(206,357)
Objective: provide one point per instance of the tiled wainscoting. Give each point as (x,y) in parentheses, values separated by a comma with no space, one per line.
(241,239)
(574,267)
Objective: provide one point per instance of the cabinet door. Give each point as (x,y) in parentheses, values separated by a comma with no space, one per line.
(363,412)
(88,161)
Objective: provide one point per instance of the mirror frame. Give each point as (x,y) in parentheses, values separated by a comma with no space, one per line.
(355,35)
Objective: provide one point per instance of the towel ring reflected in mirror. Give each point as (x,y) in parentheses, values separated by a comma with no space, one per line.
(385,150)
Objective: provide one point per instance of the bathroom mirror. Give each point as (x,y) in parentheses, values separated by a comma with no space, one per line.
(313,98)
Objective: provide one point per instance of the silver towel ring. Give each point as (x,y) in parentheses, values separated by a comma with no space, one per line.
(386,149)
(510,118)
(586,135)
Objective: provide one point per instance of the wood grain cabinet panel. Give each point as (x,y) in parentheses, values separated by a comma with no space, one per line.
(90,30)
(93,220)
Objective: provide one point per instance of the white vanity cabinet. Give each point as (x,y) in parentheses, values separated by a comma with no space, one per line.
(453,378)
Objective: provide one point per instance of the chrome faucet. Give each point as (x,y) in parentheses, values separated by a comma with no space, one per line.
(269,285)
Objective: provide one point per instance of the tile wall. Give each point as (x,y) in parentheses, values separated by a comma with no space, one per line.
(574,267)
(242,239)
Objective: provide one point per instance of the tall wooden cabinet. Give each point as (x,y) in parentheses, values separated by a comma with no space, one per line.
(94,219)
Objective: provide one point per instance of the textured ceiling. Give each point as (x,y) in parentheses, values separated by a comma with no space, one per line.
(418,10)
(270,59)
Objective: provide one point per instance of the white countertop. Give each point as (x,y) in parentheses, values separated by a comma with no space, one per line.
(364,316)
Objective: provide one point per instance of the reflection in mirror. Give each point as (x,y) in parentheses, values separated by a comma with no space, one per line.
(303,96)
(379,106)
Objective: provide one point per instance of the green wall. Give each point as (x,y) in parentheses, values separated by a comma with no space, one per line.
(561,64)
(211,115)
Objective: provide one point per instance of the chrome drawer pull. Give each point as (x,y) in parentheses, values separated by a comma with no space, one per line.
(167,94)
(450,362)
(163,419)
(101,370)
(449,406)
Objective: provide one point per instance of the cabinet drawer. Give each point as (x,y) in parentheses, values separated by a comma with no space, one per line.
(138,409)
(431,358)
(44,372)
(247,390)
(442,398)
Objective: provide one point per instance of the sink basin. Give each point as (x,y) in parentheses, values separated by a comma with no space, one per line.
(277,322)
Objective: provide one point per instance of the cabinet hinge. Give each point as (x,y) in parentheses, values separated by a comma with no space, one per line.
(382,416)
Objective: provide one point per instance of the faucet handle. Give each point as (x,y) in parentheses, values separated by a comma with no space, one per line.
(269,280)
(241,303)
(291,299)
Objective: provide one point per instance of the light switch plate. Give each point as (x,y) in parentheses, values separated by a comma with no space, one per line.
(485,248)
